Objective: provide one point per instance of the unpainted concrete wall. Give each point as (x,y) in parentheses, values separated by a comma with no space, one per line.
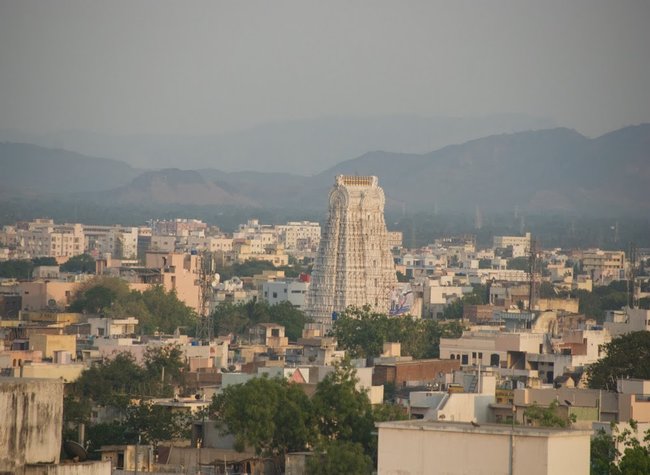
(31,413)
(86,468)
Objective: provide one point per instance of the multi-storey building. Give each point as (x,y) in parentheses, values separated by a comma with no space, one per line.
(299,235)
(604,266)
(520,245)
(118,241)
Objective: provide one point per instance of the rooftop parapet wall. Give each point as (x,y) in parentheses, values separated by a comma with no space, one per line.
(31,422)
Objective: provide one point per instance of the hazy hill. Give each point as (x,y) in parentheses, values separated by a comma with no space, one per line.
(547,170)
(29,170)
(553,170)
(173,186)
(305,146)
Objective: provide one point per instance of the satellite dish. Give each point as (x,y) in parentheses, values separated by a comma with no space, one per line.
(75,451)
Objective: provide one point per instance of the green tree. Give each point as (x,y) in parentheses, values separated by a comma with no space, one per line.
(290,317)
(239,318)
(83,263)
(519,263)
(44,261)
(454,311)
(342,412)
(547,291)
(621,360)
(594,304)
(165,311)
(112,382)
(485,264)
(164,367)
(271,415)
(644,303)
(603,454)
(362,333)
(335,457)
(99,294)
(107,433)
(16,269)
(402,278)
(606,459)
(548,416)
(389,412)
(153,423)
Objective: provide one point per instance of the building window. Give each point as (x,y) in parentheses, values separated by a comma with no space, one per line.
(464,359)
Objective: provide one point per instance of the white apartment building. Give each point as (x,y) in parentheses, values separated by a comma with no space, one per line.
(118,241)
(265,234)
(50,240)
(293,292)
(520,244)
(299,235)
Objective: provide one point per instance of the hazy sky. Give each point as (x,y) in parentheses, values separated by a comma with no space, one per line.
(197,67)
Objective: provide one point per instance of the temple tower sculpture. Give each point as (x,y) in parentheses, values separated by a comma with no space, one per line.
(354,265)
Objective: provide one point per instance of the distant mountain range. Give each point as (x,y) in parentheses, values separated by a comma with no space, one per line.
(551,170)
(303,147)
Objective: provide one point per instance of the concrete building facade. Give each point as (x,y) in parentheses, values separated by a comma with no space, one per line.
(420,447)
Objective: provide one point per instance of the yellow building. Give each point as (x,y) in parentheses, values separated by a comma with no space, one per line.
(48,344)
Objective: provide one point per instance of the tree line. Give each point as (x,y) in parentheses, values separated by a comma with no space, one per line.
(362,333)
(275,417)
(124,388)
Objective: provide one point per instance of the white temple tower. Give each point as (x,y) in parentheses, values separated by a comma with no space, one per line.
(354,265)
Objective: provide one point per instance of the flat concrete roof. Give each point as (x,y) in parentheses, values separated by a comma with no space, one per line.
(493,429)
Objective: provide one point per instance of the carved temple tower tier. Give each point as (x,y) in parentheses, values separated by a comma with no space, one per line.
(354,265)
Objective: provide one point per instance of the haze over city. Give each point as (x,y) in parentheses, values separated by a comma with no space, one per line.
(126,80)
(324,238)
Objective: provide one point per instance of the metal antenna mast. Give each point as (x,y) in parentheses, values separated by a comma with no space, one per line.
(631,278)
(204,325)
(532,268)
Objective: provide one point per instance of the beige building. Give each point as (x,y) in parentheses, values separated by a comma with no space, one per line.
(66,372)
(49,344)
(43,238)
(633,400)
(520,244)
(179,273)
(42,294)
(620,322)
(118,241)
(418,447)
(299,235)
(395,239)
(604,266)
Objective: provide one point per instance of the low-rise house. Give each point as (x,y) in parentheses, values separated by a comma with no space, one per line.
(415,372)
